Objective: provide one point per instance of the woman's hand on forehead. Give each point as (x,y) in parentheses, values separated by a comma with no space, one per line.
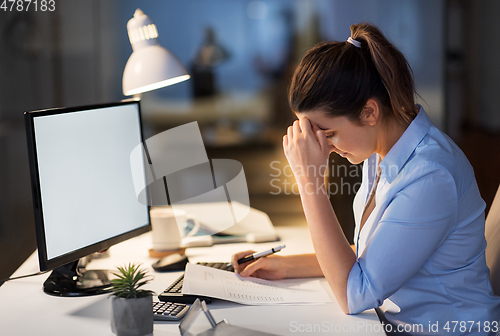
(306,146)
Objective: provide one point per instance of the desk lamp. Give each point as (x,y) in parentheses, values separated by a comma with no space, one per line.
(150,66)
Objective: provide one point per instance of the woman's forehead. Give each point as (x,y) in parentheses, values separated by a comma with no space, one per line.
(322,120)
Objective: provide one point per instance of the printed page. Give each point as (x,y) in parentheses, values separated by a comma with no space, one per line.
(211,282)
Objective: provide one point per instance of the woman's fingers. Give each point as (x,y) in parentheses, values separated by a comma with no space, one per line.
(237,256)
(323,142)
(302,125)
(254,267)
(305,146)
(315,129)
(296,128)
(320,135)
(305,126)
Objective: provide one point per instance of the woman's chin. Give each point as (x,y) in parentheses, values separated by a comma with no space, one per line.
(349,157)
(352,159)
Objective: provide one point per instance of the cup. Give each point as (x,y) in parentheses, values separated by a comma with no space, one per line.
(168,228)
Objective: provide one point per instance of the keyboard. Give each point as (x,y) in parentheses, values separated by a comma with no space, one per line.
(173,292)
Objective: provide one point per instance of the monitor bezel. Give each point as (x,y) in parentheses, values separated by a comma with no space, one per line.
(44,261)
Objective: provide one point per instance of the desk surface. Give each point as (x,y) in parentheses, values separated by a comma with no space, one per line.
(26,310)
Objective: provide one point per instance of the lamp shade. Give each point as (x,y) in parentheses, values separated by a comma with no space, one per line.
(150,66)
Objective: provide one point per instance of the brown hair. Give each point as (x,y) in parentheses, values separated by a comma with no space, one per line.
(339,78)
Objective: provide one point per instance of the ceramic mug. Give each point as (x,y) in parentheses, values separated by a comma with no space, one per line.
(168,228)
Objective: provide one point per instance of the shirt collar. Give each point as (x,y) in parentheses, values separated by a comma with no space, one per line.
(398,155)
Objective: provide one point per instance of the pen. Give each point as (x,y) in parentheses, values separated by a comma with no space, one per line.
(261,254)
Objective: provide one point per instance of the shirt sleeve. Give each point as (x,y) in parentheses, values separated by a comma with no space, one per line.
(413,225)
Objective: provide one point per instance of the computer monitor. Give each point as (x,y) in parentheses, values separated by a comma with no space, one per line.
(83,192)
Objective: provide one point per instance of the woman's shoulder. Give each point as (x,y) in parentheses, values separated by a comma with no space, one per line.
(437,151)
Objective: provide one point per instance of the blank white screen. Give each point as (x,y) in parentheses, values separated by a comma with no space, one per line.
(87,191)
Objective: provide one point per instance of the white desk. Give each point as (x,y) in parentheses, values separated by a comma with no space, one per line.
(26,310)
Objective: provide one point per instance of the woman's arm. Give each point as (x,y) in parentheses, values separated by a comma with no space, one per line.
(335,256)
(306,148)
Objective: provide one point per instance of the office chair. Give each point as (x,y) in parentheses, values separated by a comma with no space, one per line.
(492,233)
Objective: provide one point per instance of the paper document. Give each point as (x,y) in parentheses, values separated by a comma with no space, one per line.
(212,282)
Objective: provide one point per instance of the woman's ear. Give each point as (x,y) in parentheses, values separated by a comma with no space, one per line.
(371,112)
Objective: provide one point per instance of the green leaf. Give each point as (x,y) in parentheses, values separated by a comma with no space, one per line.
(130,278)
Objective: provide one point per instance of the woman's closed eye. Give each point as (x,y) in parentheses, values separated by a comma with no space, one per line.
(329,136)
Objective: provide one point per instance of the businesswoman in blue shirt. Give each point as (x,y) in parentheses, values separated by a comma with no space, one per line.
(419,238)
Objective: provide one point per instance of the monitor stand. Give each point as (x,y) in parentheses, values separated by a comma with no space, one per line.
(71,280)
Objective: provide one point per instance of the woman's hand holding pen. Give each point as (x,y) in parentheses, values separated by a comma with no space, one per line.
(306,146)
(276,267)
(272,267)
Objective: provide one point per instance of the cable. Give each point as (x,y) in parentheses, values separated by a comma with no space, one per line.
(22,276)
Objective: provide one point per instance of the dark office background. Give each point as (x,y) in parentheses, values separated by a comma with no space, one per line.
(76,55)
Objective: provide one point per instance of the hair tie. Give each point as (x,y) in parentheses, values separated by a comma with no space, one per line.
(355,43)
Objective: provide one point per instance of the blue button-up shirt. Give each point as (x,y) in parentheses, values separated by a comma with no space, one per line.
(422,247)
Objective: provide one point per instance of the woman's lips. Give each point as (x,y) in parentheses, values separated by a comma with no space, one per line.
(341,154)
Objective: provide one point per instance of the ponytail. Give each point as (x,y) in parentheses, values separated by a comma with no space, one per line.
(394,70)
(339,77)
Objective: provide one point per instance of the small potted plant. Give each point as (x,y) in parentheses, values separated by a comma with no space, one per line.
(132,307)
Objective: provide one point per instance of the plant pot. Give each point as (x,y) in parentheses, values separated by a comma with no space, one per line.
(132,317)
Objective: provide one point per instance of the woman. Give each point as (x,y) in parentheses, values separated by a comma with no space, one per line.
(419,238)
